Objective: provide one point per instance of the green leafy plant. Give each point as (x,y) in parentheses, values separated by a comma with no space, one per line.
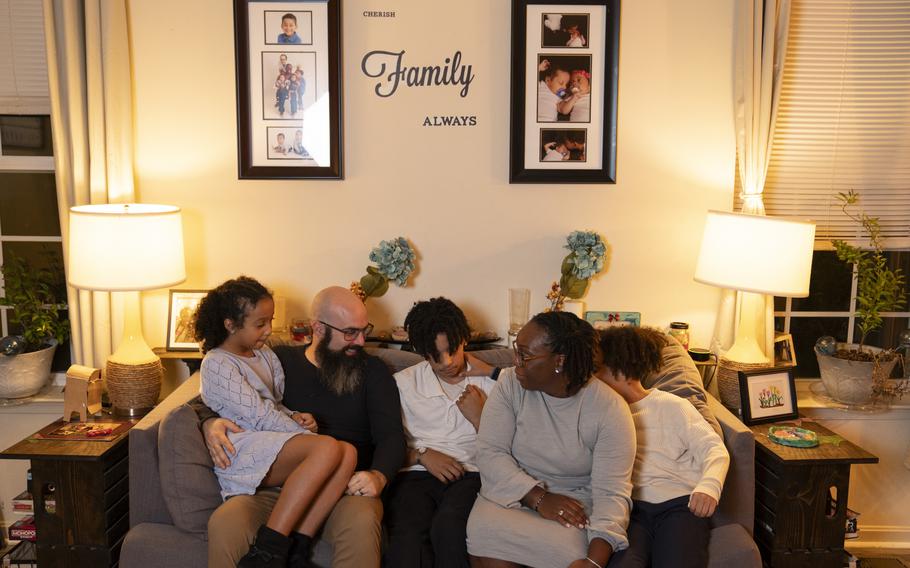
(35,307)
(878,287)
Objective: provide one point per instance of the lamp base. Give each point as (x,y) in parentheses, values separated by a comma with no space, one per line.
(728,382)
(133,389)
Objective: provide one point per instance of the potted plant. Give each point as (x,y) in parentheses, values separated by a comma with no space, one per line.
(855,374)
(587,253)
(25,361)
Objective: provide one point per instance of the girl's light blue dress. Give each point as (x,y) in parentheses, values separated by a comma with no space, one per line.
(248,391)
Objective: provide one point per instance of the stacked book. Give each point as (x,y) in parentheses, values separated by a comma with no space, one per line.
(24,527)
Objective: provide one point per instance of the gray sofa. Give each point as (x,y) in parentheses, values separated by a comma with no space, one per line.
(157,513)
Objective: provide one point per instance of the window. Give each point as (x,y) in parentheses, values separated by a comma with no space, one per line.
(843,123)
(29,220)
(844,117)
(830,310)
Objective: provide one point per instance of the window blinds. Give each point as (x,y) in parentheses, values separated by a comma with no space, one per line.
(23,62)
(844,117)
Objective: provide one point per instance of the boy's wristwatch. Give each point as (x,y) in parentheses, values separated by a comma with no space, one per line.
(421,450)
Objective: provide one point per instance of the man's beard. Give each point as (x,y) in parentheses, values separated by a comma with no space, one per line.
(340,373)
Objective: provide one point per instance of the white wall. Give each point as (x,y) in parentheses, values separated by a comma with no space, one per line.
(445,189)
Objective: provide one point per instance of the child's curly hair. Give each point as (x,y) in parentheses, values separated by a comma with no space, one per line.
(428,319)
(633,351)
(230,300)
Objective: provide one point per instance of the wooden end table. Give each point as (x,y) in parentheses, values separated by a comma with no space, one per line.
(801,498)
(85,523)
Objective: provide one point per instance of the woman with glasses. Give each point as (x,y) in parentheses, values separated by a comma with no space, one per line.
(555,451)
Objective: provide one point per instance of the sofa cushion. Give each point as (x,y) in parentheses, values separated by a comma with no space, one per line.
(678,375)
(188,482)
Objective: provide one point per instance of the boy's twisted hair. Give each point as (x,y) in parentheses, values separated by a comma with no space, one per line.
(230,300)
(431,317)
(636,352)
(573,338)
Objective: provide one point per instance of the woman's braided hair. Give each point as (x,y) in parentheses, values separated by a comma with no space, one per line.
(573,338)
(428,319)
(230,300)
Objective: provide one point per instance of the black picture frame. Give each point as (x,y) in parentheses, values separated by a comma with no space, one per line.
(779,406)
(181,312)
(597,158)
(264,113)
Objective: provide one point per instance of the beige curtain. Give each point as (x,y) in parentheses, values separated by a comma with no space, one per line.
(761,44)
(88,56)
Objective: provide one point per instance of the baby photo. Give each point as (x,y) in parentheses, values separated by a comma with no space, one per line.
(288,83)
(564,145)
(564,30)
(286,143)
(563,88)
(288,28)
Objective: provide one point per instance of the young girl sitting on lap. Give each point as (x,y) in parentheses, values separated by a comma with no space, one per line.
(680,461)
(243,381)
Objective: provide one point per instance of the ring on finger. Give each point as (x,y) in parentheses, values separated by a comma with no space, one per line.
(561,511)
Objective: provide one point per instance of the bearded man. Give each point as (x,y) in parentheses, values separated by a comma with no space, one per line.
(354,398)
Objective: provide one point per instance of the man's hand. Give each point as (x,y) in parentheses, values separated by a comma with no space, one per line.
(442,466)
(306,420)
(701,504)
(470,403)
(219,445)
(564,510)
(366,483)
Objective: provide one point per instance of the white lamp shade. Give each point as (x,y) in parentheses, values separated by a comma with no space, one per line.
(753,253)
(125,247)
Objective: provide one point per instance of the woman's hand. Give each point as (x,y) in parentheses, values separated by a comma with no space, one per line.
(702,504)
(564,510)
(442,466)
(306,420)
(219,445)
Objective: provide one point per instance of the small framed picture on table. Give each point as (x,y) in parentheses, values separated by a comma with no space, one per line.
(767,395)
(784,352)
(181,318)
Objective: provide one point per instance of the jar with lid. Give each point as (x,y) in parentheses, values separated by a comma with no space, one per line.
(679,330)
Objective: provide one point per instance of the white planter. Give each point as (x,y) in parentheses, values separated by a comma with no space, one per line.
(851,382)
(25,374)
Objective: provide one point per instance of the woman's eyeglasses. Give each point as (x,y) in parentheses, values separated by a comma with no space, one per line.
(521,359)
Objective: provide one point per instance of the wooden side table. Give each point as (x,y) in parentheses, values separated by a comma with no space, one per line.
(801,498)
(86,521)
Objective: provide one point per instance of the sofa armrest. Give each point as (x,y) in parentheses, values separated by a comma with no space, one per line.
(737,503)
(146,500)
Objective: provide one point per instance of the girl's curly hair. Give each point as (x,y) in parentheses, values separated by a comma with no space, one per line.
(428,319)
(573,338)
(636,352)
(230,300)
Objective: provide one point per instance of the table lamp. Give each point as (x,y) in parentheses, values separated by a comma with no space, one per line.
(755,255)
(128,248)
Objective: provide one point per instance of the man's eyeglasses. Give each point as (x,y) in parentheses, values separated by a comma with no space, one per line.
(351,333)
(521,359)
